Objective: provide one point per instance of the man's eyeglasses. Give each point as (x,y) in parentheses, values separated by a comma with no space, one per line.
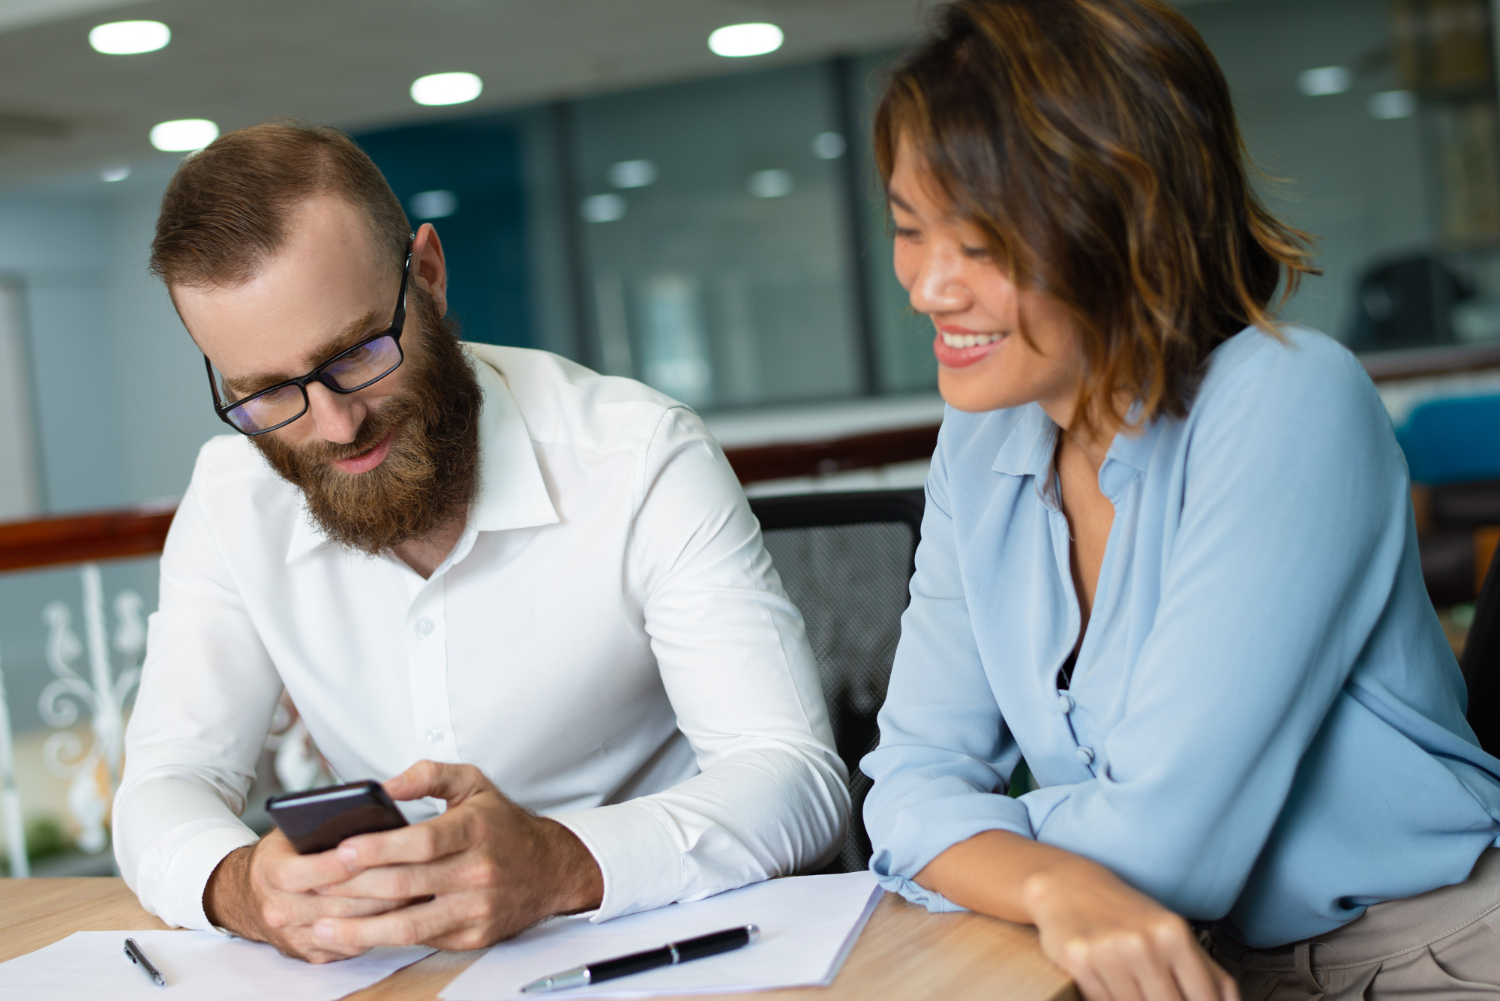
(349,371)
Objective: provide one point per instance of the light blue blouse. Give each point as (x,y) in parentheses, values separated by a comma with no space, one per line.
(1265,722)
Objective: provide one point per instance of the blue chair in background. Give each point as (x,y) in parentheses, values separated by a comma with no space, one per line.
(1454,440)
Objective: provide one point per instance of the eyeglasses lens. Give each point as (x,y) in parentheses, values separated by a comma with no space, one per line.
(268,409)
(364,364)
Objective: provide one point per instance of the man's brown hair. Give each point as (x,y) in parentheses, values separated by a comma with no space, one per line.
(226,209)
(1094,144)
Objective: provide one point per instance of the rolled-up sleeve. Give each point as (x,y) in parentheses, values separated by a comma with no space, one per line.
(208,690)
(772,796)
(946,755)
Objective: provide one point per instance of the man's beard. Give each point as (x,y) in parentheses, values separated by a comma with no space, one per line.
(432,470)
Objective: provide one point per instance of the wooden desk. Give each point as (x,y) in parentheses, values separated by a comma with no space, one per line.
(904,952)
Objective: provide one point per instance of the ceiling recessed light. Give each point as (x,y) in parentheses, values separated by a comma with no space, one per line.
(128,38)
(114,172)
(602,208)
(446,88)
(737,40)
(1324,80)
(183,135)
(770,183)
(1390,104)
(438,204)
(632,173)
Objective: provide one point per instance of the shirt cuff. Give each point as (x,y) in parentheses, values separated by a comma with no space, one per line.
(175,870)
(925,829)
(639,858)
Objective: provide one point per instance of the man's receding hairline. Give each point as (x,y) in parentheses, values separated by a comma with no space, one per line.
(256,263)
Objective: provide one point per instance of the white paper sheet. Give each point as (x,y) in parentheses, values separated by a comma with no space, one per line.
(808,924)
(198,966)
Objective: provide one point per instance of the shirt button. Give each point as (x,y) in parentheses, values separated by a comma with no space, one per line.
(425,627)
(1085,755)
(434,736)
(1065,703)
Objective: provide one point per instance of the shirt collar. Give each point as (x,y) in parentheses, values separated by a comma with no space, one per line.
(1134,448)
(512,493)
(1027,449)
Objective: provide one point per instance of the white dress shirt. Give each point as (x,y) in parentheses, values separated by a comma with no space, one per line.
(608,642)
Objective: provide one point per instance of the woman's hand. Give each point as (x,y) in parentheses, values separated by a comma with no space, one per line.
(1115,942)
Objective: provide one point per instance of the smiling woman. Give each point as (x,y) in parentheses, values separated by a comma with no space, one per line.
(1168,555)
(1143,228)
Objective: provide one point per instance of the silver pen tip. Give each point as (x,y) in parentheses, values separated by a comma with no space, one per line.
(754,931)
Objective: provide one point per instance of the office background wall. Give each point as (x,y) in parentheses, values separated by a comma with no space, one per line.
(721,237)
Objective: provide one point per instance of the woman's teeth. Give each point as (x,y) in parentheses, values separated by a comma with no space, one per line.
(969,340)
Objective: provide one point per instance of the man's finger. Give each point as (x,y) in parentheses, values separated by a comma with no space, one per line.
(454,873)
(407,926)
(439,780)
(304,873)
(424,842)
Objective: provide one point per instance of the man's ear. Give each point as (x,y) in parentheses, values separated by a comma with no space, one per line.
(429,267)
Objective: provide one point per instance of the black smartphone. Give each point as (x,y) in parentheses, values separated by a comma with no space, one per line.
(316,820)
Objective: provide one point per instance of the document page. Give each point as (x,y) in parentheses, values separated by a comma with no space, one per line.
(808,925)
(197,965)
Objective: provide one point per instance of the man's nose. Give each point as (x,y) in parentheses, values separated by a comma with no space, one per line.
(336,417)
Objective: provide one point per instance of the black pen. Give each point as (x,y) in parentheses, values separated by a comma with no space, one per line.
(135,955)
(639,962)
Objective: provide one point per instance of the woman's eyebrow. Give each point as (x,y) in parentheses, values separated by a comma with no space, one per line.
(899,202)
(338,343)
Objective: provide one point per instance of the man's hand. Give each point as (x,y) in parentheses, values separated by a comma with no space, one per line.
(490,868)
(266,892)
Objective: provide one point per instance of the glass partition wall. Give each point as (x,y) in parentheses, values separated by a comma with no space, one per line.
(725,240)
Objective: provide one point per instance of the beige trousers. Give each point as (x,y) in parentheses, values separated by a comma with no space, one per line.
(1439,945)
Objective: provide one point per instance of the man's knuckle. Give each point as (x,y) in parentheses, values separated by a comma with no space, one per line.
(406,933)
(483,872)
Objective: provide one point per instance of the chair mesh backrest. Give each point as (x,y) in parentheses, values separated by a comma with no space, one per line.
(850,583)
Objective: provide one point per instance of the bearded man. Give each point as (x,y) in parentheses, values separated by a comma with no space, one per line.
(473,569)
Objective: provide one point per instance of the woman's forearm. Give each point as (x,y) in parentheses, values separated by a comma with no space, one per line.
(1006,875)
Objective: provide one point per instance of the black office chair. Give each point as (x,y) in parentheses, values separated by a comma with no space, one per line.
(1481,663)
(846,560)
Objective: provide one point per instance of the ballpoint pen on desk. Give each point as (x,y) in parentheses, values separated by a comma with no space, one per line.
(136,956)
(639,962)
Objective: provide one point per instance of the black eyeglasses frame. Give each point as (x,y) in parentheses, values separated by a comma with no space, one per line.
(394,331)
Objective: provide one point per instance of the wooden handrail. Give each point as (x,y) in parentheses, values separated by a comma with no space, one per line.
(141,531)
(81,538)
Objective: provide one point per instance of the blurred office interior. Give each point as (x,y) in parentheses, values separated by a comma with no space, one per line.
(611,188)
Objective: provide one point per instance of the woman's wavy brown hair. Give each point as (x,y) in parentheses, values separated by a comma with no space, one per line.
(1094,144)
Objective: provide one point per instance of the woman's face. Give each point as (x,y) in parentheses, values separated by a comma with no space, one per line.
(983,362)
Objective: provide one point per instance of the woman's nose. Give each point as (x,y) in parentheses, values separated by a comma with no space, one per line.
(938,286)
